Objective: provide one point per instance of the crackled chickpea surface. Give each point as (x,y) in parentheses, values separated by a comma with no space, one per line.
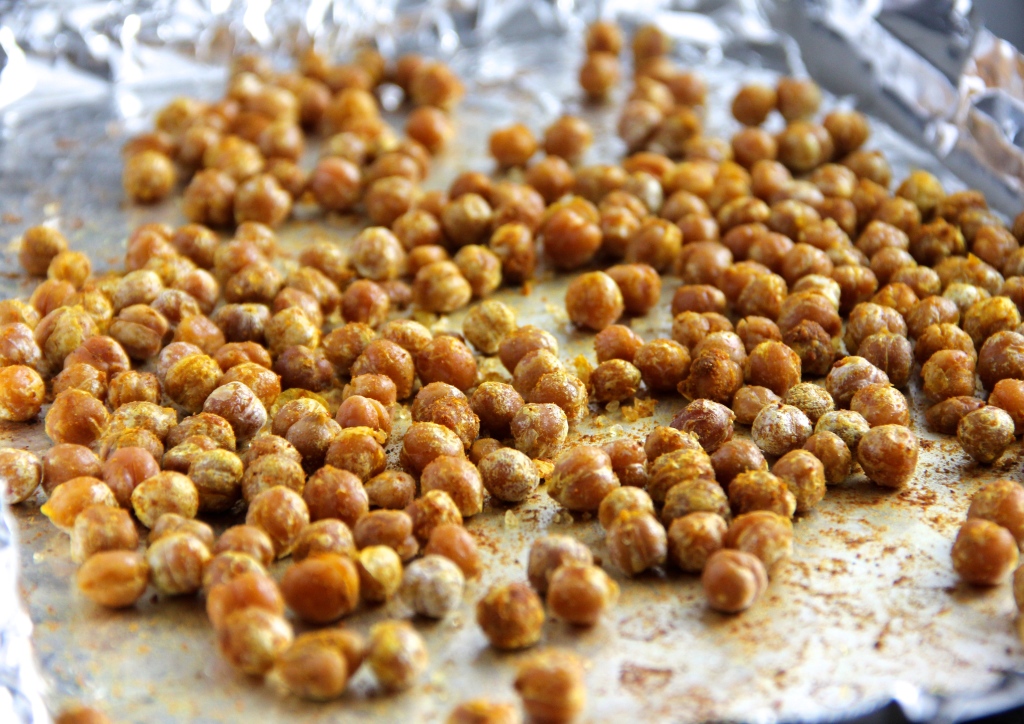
(362,406)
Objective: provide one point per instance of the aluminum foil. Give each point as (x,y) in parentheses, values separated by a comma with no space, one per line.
(927,68)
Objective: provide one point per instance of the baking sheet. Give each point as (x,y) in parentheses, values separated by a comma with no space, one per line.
(867,607)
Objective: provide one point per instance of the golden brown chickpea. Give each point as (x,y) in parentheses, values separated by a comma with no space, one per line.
(849,375)
(551,685)
(252,639)
(447,359)
(539,429)
(246,540)
(663,363)
(749,401)
(833,453)
(1008,395)
(513,245)
(321,588)
(101,528)
(710,421)
(733,580)
(324,536)
(779,428)
(148,177)
(753,103)
(580,594)
(848,425)
(511,616)
(984,553)
(599,74)
(380,573)
(989,316)
(637,542)
(734,457)
(335,184)
(888,455)
(804,475)
(513,145)
(40,245)
(457,545)
(693,538)
(891,353)
(430,127)
(487,323)
(440,287)
(435,84)
(603,36)
(1002,502)
(396,654)
(115,579)
(581,478)
(881,404)
(565,390)
(813,400)
(614,380)
(998,358)
(594,301)
(176,563)
(482,711)
(773,365)
(282,514)
(985,433)
(617,342)
(496,403)
(948,373)
(697,495)
(432,586)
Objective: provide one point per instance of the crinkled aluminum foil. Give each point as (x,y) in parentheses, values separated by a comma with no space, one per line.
(924,66)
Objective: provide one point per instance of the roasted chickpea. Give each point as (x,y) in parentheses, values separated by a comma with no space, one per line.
(888,455)
(779,428)
(457,545)
(948,373)
(551,685)
(636,542)
(984,553)
(115,579)
(985,433)
(733,580)
(753,103)
(511,616)
(748,402)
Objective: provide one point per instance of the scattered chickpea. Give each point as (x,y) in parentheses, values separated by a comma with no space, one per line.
(396,654)
(511,616)
(984,553)
(551,685)
(733,580)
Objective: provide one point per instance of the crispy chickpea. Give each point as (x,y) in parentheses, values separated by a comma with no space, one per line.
(773,365)
(101,528)
(888,455)
(440,287)
(693,538)
(20,474)
(614,379)
(663,364)
(487,323)
(998,358)
(695,495)
(335,184)
(812,399)
(779,428)
(447,359)
(656,243)
(565,390)
(849,375)
(833,453)
(511,616)
(948,373)
(176,563)
(599,74)
(457,545)
(984,553)
(430,127)
(581,478)
(115,579)
(513,145)
(322,537)
(1008,395)
(252,639)
(619,501)
(733,580)
(321,588)
(570,240)
(509,475)
(457,477)
(636,542)
(749,401)
(753,103)
(881,404)
(380,573)
(1002,502)
(617,342)
(985,433)
(539,429)
(710,421)
(580,594)
(734,457)
(396,654)
(568,137)
(40,245)
(148,177)
(513,245)
(282,514)
(804,475)
(432,586)
(891,353)
(594,301)
(988,316)
(517,344)
(21,398)
(551,686)
(247,540)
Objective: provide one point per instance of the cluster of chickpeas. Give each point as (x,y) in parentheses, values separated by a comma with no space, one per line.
(211,377)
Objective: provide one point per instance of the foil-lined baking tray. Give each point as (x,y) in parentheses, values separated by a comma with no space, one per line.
(868,611)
